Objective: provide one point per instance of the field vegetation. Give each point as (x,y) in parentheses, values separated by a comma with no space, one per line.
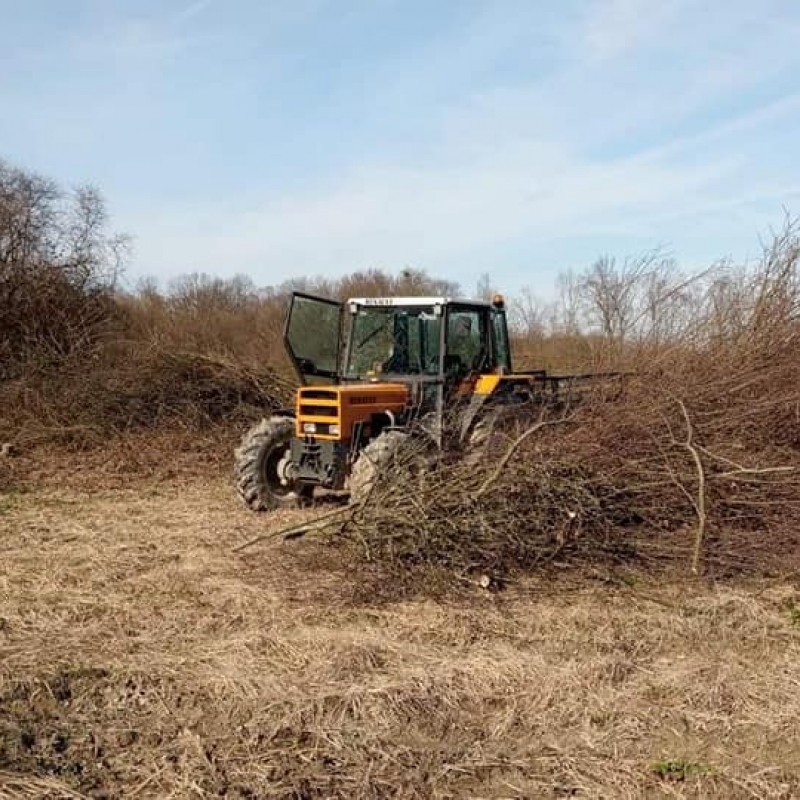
(605,604)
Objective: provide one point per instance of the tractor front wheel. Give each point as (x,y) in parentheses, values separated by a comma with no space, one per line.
(262,466)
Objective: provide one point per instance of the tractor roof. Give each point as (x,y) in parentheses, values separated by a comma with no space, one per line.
(413,301)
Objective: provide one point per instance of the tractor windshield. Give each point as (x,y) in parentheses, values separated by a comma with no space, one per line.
(389,339)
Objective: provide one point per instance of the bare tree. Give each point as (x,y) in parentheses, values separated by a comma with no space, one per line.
(608,290)
(566,314)
(88,252)
(528,314)
(485,290)
(58,268)
(642,296)
(28,217)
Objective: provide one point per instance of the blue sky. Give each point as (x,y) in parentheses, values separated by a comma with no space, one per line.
(280,139)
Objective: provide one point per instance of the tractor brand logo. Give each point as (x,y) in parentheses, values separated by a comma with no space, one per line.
(379,301)
(362,401)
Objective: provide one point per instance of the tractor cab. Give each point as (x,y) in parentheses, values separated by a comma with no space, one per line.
(408,339)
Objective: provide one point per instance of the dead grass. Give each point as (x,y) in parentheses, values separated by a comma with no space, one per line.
(140,657)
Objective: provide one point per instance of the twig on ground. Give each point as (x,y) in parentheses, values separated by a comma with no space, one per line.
(294,531)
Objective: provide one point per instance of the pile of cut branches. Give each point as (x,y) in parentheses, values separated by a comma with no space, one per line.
(709,464)
(701,448)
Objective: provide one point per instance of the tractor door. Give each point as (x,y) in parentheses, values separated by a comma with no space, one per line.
(312,336)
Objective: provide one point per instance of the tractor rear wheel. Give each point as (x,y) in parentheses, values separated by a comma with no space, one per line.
(389,454)
(262,466)
(493,432)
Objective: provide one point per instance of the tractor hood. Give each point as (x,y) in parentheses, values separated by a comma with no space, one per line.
(331,412)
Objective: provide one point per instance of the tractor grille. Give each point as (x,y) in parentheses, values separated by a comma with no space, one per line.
(318,394)
(318,411)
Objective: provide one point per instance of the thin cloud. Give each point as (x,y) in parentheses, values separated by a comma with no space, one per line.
(192,10)
(783,107)
(612,28)
(133,40)
(392,215)
(466,137)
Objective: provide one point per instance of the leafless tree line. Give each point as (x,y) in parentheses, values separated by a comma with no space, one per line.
(649,299)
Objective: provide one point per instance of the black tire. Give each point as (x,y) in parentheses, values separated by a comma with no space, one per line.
(259,462)
(491,434)
(375,463)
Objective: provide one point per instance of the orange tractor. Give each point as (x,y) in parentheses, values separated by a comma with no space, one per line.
(378,374)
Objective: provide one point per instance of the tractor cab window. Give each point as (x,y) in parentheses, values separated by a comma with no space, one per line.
(393,340)
(467,340)
(312,337)
(502,350)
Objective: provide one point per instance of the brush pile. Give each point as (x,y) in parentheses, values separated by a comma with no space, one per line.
(701,445)
(130,387)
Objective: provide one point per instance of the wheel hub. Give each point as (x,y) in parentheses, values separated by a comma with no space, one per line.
(284,469)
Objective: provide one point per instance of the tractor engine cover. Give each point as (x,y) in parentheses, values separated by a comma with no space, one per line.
(329,419)
(332,412)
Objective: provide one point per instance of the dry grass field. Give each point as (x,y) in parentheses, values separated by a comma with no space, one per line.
(639,635)
(140,656)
